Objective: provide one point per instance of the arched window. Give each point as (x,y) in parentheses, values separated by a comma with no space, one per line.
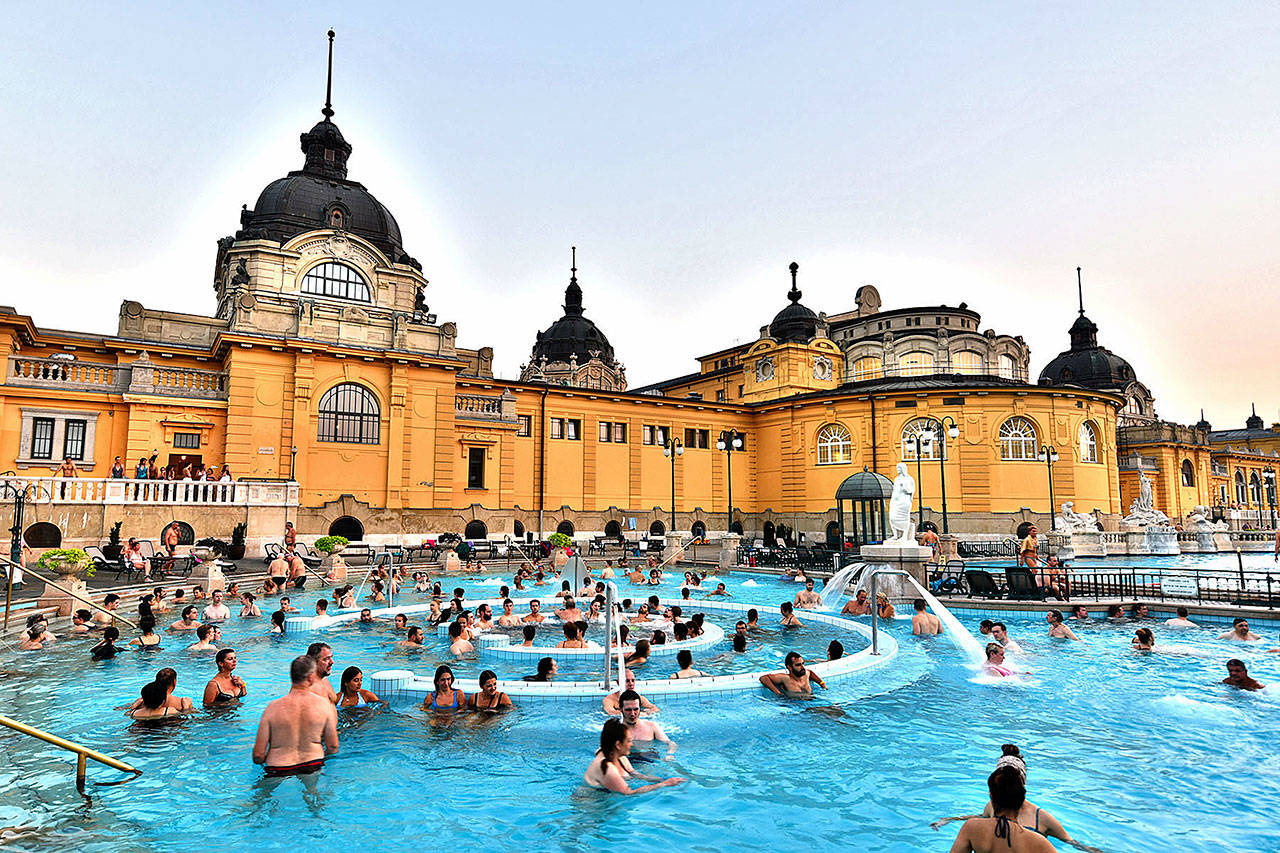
(517,527)
(923,428)
(1018,440)
(967,362)
(349,414)
(1188,473)
(1242,494)
(476,529)
(736,527)
(1134,406)
(348,527)
(1088,443)
(565,527)
(335,218)
(915,364)
(835,447)
(1255,488)
(870,367)
(338,280)
(657,529)
(699,530)
(1008,367)
(42,534)
(612,529)
(833,535)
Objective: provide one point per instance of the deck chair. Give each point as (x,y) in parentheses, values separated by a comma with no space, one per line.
(309,556)
(1022,585)
(981,583)
(272,551)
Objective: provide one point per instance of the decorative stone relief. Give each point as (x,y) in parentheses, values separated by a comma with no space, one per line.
(764,369)
(822,368)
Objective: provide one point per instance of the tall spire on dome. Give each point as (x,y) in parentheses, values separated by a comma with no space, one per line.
(573,293)
(326,150)
(1080,290)
(327,112)
(1084,333)
(794,294)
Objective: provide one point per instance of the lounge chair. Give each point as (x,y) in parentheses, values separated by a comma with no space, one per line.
(981,583)
(308,555)
(272,551)
(1022,585)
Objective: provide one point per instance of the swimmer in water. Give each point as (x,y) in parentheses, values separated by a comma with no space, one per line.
(508,619)
(883,606)
(610,768)
(858,606)
(490,698)
(611,702)
(458,644)
(412,638)
(807,598)
(995,662)
(1000,634)
(720,590)
(645,731)
(795,682)
(535,613)
(789,619)
(1239,632)
(1181,620)
(1002,831)
(1057,628)
(1143,640)
(1238,676)
(1080,613)
(350,693)
(924,623)
(684,657)
(188,622)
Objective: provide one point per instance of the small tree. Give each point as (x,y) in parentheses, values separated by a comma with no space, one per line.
(238,533)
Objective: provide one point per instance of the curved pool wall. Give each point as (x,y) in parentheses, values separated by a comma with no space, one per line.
(405,686)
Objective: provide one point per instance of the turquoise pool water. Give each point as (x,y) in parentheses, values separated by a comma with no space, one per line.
(1131,751)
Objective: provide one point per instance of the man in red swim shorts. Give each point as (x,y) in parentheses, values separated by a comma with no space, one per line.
(298,729)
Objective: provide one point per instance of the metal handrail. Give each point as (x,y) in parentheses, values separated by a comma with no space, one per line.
(83,753)
(8,599)
(875,608)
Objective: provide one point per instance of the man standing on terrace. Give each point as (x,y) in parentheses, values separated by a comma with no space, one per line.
(1028,548)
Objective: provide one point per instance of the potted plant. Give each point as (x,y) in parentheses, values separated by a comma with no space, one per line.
(335,568)
(112,549)
(216,547)
(236,549)
(67,562)
(329,545)
(560,542)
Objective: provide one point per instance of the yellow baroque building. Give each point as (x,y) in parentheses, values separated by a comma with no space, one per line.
(322,365)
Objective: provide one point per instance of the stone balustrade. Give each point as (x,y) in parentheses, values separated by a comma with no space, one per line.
(478,407)
(122,492)
(142,377)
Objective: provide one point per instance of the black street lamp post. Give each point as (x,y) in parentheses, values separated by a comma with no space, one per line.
(1269,478)
(1050,455)
(924,441)
(953,432)
(672,448)
(730,441)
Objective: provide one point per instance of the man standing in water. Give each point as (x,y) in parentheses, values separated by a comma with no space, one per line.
(796,682)
(807,598)
(642,730)
(1238,676)
(298,729)
(612,702)
(323,656)
(923,622)
(857,606)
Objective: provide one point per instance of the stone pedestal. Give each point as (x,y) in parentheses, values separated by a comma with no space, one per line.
(1150,540)
(334,568)
(1087,544)
(449,561)
(208,575)
(948,547)
(1222,542)
(673,551)
(559,558)
(910,558)
(66,605)
(728,553)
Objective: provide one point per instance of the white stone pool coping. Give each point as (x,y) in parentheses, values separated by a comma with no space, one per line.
(400,686)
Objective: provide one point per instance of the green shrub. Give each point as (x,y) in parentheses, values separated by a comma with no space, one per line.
(331,544)
(59,558)
(559,540)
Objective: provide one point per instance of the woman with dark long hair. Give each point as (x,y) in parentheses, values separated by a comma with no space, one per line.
(610,769)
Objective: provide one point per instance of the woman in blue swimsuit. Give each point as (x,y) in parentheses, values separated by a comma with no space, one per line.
(444,698)
(350,694)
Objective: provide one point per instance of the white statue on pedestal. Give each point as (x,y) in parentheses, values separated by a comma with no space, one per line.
(904,490)
(1198,522)
(1077,522)
(1142,511)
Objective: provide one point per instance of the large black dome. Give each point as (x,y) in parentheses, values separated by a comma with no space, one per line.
(573,334)
(1086,364)
(319,196)
(795,323)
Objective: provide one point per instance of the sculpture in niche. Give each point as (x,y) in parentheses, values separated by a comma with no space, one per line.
(904,490)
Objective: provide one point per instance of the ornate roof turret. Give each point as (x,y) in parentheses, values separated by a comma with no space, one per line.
(1253,421)
(573,335)
(795,323)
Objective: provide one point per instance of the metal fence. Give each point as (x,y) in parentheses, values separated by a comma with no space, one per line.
(987,548)
(1245,588)
(786,558)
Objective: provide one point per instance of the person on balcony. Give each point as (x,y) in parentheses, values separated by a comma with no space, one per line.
(226,474)
(117,469)
(140,473)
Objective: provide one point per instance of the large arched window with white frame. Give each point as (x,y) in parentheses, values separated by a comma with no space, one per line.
(915,363)
(338,280)
(1088,442)
(1018,440)
(1255,488)
(1242,494)
(1008,367)
(835,445)
(933,444)
(967,362)
(868,367)
(349,414)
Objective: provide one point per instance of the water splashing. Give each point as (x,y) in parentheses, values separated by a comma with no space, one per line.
(834,588)
(960,635)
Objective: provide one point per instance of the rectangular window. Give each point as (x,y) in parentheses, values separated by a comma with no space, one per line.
(526,425)
(475,468)
(42,438)
(720,396)
(697,438)
(740,387)
(73,440)
(646,434)
(661,434)
(573,429)
(606,431)
(620,433)
(557,427)
(186,440)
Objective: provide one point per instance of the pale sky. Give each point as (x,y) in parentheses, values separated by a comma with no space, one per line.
(942,152)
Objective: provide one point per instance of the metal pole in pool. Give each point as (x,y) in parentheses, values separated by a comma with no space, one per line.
(875,616)
(608,631)
(1240,563)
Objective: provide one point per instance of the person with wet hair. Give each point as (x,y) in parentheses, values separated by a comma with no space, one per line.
(157,698)
(1238,676)
(610,769)
(1001,831)
(547,670)
(107,648)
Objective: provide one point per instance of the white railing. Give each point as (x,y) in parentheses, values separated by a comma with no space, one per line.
(66,373)
(89,490)
(472,406)
(187,382)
